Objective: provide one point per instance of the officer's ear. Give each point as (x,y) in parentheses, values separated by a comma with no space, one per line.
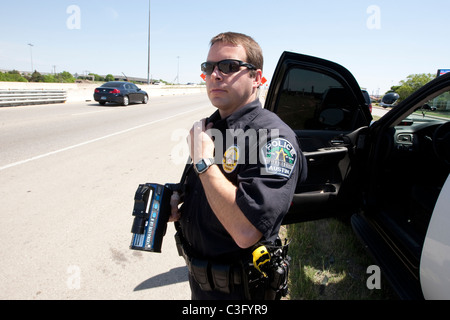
(257,79)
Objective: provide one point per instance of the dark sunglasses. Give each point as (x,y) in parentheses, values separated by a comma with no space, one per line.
(225,66)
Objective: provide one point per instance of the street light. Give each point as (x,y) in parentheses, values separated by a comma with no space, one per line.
(31,52)
(178,71)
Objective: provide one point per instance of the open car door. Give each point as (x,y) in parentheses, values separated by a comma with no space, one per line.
(402,224)
(323,103)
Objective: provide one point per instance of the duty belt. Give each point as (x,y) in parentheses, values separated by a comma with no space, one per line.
(210,275)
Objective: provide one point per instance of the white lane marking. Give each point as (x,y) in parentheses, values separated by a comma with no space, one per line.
(93,140)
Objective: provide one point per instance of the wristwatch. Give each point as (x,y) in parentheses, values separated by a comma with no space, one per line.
(203,165)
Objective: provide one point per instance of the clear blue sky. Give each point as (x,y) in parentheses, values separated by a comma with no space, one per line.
(380,42)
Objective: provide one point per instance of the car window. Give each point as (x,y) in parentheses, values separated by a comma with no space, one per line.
(112,85)
(311,100)
(439,106)
(436,110)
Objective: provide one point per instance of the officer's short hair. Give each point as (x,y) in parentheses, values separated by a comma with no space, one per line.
(252,48)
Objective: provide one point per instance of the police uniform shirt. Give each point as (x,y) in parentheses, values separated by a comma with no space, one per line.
(262,165)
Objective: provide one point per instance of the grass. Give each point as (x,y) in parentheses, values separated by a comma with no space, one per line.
(329,263)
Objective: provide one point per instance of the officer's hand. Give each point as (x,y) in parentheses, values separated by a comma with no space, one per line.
(175,212)
(201,145)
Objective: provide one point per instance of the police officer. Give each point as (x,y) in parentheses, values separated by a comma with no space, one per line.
(246,164)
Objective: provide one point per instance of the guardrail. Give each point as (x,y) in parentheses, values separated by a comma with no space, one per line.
(30,97)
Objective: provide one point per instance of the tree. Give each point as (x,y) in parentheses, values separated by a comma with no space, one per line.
(49,78)
(36,77)
(411,84)
(109,77)
(97,77)
(66,77)
(12,76)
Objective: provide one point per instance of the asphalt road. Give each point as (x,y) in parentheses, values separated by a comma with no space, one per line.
(68,176)
(379,111)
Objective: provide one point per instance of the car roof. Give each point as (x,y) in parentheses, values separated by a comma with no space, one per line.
(392,94)
(366,95)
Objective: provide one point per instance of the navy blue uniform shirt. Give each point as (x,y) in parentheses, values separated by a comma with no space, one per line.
(259,154)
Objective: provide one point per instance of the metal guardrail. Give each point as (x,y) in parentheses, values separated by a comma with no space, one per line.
(30,97)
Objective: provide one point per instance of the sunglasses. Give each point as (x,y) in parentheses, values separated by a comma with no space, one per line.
(225,66)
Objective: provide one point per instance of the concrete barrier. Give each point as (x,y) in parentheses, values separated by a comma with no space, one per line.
(78,92)
(24,97)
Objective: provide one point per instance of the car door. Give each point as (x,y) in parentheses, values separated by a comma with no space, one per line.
(323,103)
(400,223)
(129,92)
(134,92)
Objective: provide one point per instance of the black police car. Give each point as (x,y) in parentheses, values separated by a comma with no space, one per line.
(120,92)
(390,178)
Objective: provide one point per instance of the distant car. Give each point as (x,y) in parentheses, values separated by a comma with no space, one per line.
(368,100)
(120,92)
(389,179)
(389,99)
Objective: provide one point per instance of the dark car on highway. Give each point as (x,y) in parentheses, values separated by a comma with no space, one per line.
(389,179)
(389,99)
(120,92)
(368,100)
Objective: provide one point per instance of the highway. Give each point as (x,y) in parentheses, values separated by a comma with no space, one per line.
(379,111)
(68,176)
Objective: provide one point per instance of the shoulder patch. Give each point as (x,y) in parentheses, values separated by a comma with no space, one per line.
(279,157)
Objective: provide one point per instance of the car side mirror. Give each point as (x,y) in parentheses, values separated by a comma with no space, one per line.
(426,106)
(331,117)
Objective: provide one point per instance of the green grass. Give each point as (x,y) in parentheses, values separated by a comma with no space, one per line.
(329,263)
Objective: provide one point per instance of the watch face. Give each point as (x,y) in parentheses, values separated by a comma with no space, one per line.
(201,166)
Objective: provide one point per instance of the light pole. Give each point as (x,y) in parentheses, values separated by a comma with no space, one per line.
(31,53)
(178,71)
(148,70)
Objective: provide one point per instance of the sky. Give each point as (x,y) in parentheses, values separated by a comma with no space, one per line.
(380,42)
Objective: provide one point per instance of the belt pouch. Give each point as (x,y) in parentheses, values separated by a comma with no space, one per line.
(179,244)
(199,270)
(221,277)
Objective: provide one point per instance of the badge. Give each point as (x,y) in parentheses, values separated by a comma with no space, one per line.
(279,157)
(230,159)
